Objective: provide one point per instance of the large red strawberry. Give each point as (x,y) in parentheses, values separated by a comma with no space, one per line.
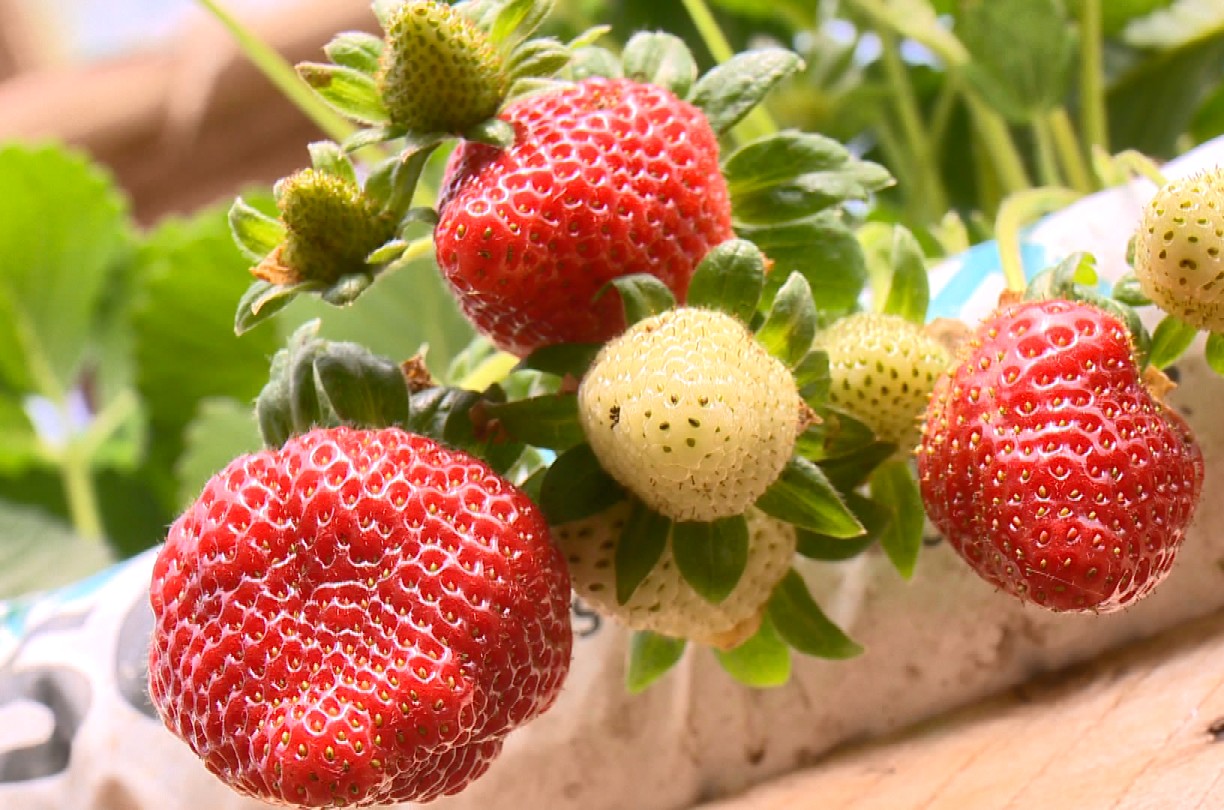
(357,618)
(1049,465)
(606,178)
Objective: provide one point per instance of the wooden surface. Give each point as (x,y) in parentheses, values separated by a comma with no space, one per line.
(191,123)
(1141,729)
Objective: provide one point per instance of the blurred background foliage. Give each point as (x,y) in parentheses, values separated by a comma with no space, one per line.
(123,386)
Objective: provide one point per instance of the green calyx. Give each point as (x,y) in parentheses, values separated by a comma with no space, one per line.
(331,227)
(438,71)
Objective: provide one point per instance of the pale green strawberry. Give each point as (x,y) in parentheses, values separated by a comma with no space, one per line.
(331,228)
(882,369)
(439,72)
(1179,250)
(690,413)
(664,603)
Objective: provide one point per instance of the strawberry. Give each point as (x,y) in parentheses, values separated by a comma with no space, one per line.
(1050,467)
(359,617)
(606,178)
(1179,250)
(882,370)
(690,413)
(663,602)
(439,72)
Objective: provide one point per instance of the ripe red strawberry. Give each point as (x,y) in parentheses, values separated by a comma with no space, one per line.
(357,618)
(1051,468)
(606,178)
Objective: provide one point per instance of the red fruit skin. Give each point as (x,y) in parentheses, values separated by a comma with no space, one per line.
(357,618)
(1048,465)
(606,178)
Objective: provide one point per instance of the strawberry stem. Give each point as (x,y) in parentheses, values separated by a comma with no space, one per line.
(929,193)
(1093,121)
(1043,140)
(1016,211)
(758,123)
(77,478)
(1070,151)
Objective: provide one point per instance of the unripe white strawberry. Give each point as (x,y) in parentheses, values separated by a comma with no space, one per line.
(664,603)
(882,369)
(690,413)
(1179,250)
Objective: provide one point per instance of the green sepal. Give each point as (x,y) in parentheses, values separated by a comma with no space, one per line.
(823,249)
(893,484)
(387,252)
(521,88)
(563,358)
(593,61)
(576,487)
(491,132)
(813,378)
(1071,278)
(263,299)
(909,290)
(762,662)
(790,324)
(362,389)
(1170,339)
(255,233)
(518,19)
(537,59)
(445,414)
(650,657)
(347,289)
(369,136)
(792,175)
(1213,353)
(348,91)
(307,409)
(850,470)
(589,37)
(393,182)
(802,624)
(642,295)
(272,404)
(1126,290)
(875,519)
(548,421)
(656,57)
(330,157)
(729,91)
(711,556)
(730,278)
(420,215)
(837,435)
(355,49)
(802,495)
(641,545)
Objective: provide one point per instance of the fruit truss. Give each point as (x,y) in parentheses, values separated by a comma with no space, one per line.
(694,409)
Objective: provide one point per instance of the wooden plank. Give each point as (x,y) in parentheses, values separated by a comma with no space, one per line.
(1128,731)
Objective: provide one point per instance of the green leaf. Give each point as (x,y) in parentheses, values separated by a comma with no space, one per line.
(330,157)
(711,556)
(849,470)
(790,324)
(222,430)
(577,487)
(63,231)
(355,49)
(641,545)
(893,484)
(643,296)
(255,233)
(1022,52)
(803,625)
(823,249)
(875,518)
(1126,290)
(656,57)
(349,92)
(563,358)
(537,59)
(361,388)
(802,495)
(792,175)
(909,292)
(1214,352)
(1170,340)
(548,421)
(730,278)
(729,91)
(39,552)
(762,662)
(650,657)
(20,446)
